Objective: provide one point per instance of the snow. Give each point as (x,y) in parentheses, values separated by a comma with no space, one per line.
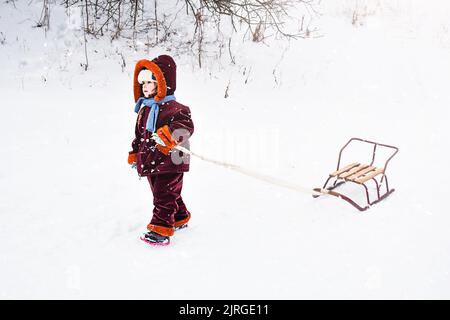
(72,210)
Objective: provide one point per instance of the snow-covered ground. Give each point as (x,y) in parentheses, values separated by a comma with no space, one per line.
(72,210)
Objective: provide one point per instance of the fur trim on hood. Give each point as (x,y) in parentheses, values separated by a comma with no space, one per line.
(164,69)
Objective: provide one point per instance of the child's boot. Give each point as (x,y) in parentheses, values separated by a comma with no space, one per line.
(155,239)
(181,226)
(183,223)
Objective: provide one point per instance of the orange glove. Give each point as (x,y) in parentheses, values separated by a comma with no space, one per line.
(131,157)
(165,135)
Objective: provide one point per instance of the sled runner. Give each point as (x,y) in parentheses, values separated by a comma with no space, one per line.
(360,174)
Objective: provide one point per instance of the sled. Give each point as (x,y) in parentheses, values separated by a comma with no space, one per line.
(360,174)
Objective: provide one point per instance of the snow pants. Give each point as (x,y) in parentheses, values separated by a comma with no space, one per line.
(170,210)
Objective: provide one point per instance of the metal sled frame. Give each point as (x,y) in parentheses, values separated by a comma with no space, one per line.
(360,174)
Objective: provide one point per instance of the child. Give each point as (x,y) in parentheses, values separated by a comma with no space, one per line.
(162,123)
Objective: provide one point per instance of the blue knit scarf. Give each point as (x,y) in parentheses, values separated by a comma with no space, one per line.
(154,109)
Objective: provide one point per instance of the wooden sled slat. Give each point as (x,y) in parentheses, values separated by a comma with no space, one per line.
(334,174)
(353,171)
(370,176)
(361,173)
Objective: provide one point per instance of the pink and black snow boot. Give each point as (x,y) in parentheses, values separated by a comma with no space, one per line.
(155,239)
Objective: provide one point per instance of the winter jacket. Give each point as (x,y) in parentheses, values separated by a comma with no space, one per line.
(149,160)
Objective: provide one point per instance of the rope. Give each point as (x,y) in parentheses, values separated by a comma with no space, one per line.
(254,174)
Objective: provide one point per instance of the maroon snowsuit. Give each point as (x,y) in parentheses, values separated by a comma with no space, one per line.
(164,172)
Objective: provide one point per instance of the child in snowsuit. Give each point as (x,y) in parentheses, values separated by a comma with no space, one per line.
(162,124)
